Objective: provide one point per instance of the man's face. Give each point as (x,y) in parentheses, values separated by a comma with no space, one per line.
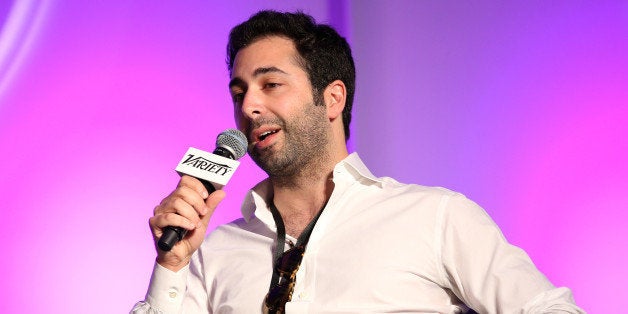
(273,106)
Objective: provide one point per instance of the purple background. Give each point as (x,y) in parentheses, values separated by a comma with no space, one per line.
(522,106)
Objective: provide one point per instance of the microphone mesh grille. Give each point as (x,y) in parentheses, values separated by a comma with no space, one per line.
(233,139)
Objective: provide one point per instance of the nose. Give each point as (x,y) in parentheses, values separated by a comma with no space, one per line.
(252,107)
(252,104)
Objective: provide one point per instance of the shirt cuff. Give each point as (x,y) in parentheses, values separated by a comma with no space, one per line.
(167,289)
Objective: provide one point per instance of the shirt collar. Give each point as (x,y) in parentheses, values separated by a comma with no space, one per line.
(354,166)
(351,167)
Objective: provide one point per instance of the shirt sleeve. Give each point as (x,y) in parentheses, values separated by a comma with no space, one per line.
(166,292)
(176,292)
(486,272)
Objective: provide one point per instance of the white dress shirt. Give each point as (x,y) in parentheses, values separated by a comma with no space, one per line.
(379,246)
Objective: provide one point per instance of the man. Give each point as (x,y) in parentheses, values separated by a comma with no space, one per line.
(322,234)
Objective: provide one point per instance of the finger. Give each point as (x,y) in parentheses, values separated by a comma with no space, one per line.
(193,198)
(180,207)
(194,184)
(158,223)
(176,204)
(172,202)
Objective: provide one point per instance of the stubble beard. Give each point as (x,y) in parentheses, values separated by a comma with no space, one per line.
(304,149)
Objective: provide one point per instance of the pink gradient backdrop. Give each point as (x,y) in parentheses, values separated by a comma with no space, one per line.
(520,106)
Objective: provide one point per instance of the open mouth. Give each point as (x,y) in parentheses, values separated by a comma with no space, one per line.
(264,135)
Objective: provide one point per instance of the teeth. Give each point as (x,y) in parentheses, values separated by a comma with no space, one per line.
(265,134)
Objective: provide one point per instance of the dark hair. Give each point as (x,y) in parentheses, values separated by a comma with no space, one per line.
(326,56)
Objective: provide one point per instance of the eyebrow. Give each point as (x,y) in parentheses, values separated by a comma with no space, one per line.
(257,72)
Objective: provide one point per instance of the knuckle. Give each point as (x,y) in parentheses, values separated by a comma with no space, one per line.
(178,203)
(172,217)
(186,180)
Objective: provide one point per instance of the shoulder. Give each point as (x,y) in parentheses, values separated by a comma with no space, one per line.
(439,204)
(397,189)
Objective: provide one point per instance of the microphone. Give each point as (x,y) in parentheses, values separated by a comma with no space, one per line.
(213,170)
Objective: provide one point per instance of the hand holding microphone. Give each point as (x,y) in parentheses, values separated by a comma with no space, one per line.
(186,208)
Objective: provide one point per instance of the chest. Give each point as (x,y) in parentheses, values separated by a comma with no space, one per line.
(354,265)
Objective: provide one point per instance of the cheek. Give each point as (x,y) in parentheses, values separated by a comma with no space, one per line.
(240,121)
(244,128)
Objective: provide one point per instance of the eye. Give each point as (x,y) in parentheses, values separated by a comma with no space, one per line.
(237,98)
(271,85)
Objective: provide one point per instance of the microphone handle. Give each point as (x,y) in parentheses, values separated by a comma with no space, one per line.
(171,235)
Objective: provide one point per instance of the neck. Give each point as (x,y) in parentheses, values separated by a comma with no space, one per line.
(299,202)
(300,197)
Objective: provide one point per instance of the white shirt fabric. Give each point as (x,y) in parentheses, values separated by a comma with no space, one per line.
(379,246)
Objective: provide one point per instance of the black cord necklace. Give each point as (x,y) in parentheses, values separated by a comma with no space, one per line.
(281,237)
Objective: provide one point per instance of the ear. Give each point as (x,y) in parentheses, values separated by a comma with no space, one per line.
(335,97)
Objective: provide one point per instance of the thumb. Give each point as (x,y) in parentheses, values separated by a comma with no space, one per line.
(212,203)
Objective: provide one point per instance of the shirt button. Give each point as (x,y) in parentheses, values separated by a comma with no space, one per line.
(172,294)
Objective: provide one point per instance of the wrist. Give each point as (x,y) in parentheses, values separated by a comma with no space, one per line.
(173,264)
